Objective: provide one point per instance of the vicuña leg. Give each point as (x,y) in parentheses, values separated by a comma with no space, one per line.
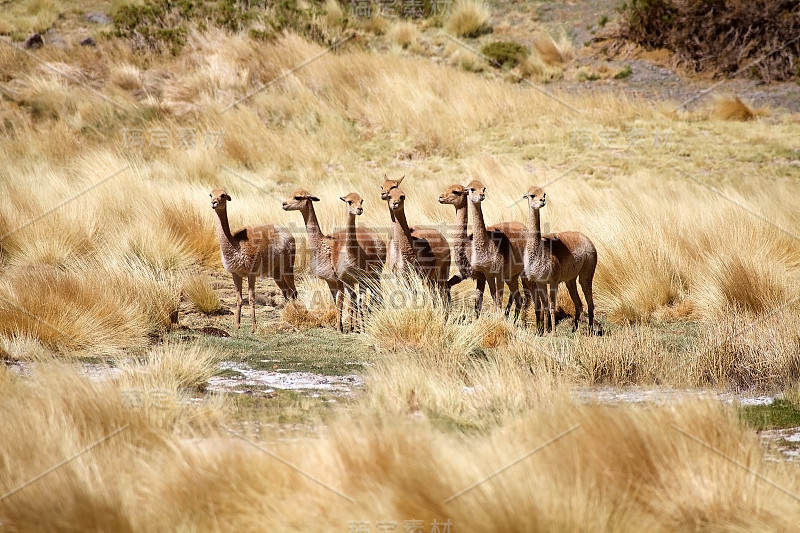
(251,293)
(572,287)
(237,284)
(586,285)
(551,304)
(480,287)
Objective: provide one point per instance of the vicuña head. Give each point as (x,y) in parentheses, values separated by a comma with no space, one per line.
(476,191)
(299,200)
(218,198)
(536,197)
(388,185)
(396,198)
(455,195)
(355,204)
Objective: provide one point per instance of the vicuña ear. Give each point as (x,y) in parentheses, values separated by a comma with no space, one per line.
(313,198)
(526,196)
(342,198)
(226,197)
(401,179)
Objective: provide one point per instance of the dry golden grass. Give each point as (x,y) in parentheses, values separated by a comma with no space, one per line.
(547,50)
(404,33)
(200,292)
(28,16)
(97,309)
(641,275)
(172,367)
(694,287)
(731,107)
(334,15)
(413,317)
(376,24)
(468,61)
(747,351)
(176,467)
(298,316)
(468,18)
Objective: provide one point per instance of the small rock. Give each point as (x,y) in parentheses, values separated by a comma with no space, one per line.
(54,38)
(34,41)
(214,332)
(88,41)
(97,17)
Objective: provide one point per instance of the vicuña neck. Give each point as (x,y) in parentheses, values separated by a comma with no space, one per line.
(352,241)
(312,226)
(535,231)
(479,236)
(223,228)
(461,222)
(402,233)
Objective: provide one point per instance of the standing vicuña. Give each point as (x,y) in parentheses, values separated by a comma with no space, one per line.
(358,257)
(265,250)
(558,257)
(322,246)
(510,232)
(496,251)
(423,250)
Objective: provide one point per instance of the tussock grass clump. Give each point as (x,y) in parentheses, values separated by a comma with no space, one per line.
(739,281)
(547,50)
(469,18)
(334,15)
(189,223)
(632,357)
(414,317)
(533,67)
(315,306)
(469,61)
(298,316)
(171,366)
(201,293)
(64,312)
(376,24)
(746,351)
(496,329)
(404,33)
(731,107)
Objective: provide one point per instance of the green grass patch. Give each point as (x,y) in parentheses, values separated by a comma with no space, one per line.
(229,373)
(321,351)
(505,54)
(285,407)
(623,73)
(779,414)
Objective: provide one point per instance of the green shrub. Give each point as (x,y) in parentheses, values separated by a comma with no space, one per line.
(505,54)
(623,73)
